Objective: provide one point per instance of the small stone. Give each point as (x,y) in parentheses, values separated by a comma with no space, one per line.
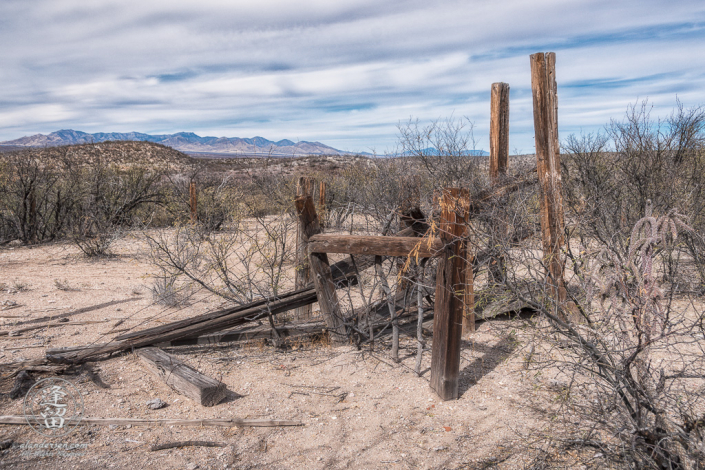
(156,404)
(112,426)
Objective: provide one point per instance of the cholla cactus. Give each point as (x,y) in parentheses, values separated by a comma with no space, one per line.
(633,281)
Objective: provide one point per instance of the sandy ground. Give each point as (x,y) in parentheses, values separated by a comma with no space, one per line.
(358,408)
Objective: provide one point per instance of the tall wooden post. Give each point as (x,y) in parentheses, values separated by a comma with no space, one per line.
(499,131)
(193,201)
(499,158)
(448,310)
(320,268)
(302,276)
(322,202)
(548,166)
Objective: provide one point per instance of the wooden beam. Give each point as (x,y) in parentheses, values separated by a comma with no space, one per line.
(375,245)
(499,131)
(321,272)
(182,378)
(450,286)
(548,166)
(302,273)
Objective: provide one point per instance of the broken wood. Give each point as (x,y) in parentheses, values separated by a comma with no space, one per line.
(375,245)
(187,328)
(226,422)
(182,378)
(302,273)
(548,165)
(320,269)
(450,280)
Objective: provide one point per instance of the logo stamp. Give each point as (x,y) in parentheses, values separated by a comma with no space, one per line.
(53,407)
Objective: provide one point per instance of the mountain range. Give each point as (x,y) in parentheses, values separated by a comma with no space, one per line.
(186,142)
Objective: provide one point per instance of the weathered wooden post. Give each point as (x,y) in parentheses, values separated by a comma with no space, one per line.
(548,166)
(322,202)
(499,159)
(449,306)
(499,131)
(193,201)
(320,269)
(302,276)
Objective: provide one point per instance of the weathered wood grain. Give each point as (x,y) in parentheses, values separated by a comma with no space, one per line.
(321,272)
(182,378)
(375,245)
(499,131)
(450,281)
(548,165)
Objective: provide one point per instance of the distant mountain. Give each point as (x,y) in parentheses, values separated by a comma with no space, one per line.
(186,142)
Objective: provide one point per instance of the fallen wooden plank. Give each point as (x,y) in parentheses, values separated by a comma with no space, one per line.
(226,422)
(183,378)
(374,245)
(250,333)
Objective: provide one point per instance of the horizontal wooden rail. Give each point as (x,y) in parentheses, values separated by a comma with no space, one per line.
(374,245)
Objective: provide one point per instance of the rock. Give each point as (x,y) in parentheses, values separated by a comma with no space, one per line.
(23,382)
(155,404)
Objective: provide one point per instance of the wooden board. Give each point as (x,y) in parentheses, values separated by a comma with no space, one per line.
(183,378)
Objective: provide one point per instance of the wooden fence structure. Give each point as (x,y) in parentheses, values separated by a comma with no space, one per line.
(454,299)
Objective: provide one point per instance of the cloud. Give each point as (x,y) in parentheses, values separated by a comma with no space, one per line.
(344,73)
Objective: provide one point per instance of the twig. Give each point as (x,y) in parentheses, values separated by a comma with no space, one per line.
(172,445)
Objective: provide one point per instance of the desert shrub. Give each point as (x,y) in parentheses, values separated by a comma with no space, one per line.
(109,202)
(247,260)
(609,177)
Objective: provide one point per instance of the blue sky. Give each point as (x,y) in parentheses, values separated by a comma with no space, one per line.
(342,72)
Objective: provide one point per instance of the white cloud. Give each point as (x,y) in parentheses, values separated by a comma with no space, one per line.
(343,72)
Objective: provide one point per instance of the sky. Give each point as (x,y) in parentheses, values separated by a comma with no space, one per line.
(342,72)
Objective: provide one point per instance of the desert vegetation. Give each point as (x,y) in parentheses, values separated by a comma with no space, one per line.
(624,347)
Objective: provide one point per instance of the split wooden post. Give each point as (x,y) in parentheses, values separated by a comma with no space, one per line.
(193,201)
(302,276)
(499,158)
(320,270)
(548,166)
(450,281)
(499,131)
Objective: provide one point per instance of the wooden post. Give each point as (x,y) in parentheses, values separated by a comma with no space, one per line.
(499,131)
(548,166)
(320,269)
(302,275)
(322,202)
(448,311)
(193,199)
(499,157)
